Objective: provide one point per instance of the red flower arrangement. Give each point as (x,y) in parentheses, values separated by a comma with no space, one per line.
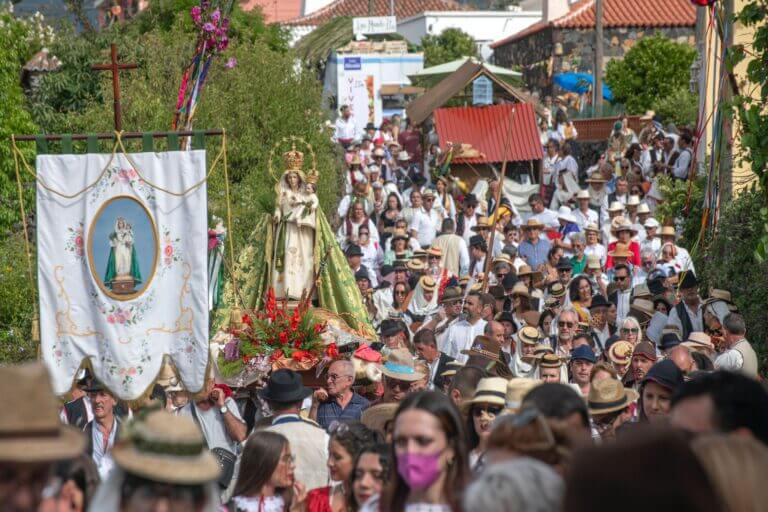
(278,336)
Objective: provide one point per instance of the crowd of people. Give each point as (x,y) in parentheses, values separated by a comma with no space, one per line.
(562,357)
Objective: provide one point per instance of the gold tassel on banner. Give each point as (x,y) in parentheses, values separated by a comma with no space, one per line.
(236,318)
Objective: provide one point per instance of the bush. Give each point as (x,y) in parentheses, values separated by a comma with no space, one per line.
(17,297)
(654,68)
(728,263)
(681,107)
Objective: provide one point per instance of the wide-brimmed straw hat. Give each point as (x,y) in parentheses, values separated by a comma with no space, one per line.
(485,347)
(716,294)
(30,430)
(609,395)
(668,231)
(517,388)
(642,310)
(490,390)
(633,201)
(520,289)
(526,270)
(596,177)
(435,251)
(699,342)
(616,206)
(416,265)
(482,223)
(583,194)
(427,283)
(533,223)
(400,365)
(166,448)
(403,156)
(550,361)
(620,251)
(621,224)
(592,227)
(377,416)
(565,213)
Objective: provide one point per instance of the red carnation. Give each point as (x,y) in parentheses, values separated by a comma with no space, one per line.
(300,355)
(283,338)
(319,328)
(332,351)
(247,320)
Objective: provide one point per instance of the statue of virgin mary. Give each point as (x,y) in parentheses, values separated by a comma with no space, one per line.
(294,251)
(122,264)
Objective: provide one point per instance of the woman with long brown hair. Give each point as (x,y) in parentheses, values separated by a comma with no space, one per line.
(431,463)
(265,481)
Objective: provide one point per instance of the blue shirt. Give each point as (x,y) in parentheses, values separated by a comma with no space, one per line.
(331,411)
(534,255)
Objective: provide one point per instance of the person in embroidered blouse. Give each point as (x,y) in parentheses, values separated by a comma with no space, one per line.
(265,481)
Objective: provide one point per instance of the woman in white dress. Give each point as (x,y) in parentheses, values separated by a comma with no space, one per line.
(265,481)
(431,468)
(295,236)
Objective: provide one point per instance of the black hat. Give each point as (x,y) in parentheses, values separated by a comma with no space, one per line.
(497,291)
(361,274)
(285,386)
(689,280)
(391,327)
(478,241)
(509,281)
(353,250)
(665,373)
(419,179)
(400,265)
(656,283)
(564,264)
(93,385)
(385,270)
(669,340)
(370,126)
(506,316)
(470,200)
(598,301)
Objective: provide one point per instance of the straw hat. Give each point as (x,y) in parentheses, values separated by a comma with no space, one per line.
(541,349)
(533,223)
(517,388)
(378,152)
(616,206)
(633,201)
(490,390)
(403,156)
(620,353)
(699,342)
(557,289)
(427,283)
(668,231)
(642,310)
(400,234)
(550,361)
(435,251)
(520,289)
(621,224)
(525,270)
(596,177)
(451,294)
(420,254)
(485,347)
(717,295)
(593,262)
(502,258)
(482,223)
(30,430)
(453,367)
(377,416)
(166,448)
(401,366)
(609,395)
(416,265)
(592,227)
(643,208)
(529,335)
(620,251)
(583,194)
(650,223)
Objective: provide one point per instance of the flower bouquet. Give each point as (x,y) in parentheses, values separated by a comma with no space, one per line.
(274,338)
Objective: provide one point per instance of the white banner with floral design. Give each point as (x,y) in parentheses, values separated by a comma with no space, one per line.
(122,267)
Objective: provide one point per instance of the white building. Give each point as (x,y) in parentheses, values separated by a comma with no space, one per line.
(485,27)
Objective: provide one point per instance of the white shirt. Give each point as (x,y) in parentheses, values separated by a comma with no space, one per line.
(730,360)
(697,318)
(683,259)
(682,164)
(460,336)
(425,225)
(547,217)
(102,457)
(597,250)
(345,129)
(469,223)
(582,219)
(622,305)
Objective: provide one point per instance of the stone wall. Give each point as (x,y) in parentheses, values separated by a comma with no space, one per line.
(553,51)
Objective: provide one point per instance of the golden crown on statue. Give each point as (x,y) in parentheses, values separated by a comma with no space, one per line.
(294,160)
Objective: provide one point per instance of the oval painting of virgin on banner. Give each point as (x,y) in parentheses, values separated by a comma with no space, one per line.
(122,248)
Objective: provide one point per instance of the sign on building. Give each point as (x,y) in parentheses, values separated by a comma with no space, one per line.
(482,91)
(374,25)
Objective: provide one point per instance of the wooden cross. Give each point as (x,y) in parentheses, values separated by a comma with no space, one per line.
(115,67)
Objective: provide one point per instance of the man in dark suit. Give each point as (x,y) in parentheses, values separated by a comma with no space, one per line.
(426,348)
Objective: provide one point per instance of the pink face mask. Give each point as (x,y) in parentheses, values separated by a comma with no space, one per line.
(419,470)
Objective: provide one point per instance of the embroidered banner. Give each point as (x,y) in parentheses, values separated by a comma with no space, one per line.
(122,267)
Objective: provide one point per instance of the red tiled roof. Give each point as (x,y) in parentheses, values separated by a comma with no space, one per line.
(403,9)
(617,13)
(486,129)
(274,11)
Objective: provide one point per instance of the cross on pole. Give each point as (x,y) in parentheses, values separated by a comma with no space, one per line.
(115,67)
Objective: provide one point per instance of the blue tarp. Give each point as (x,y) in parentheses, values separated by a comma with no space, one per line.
(580,83)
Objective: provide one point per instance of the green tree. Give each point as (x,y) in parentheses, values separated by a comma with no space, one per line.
(451,44)
(750,106)
(654,68)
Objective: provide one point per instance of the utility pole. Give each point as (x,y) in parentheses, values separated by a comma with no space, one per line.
(370,7)
(701,46)
(597,90)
